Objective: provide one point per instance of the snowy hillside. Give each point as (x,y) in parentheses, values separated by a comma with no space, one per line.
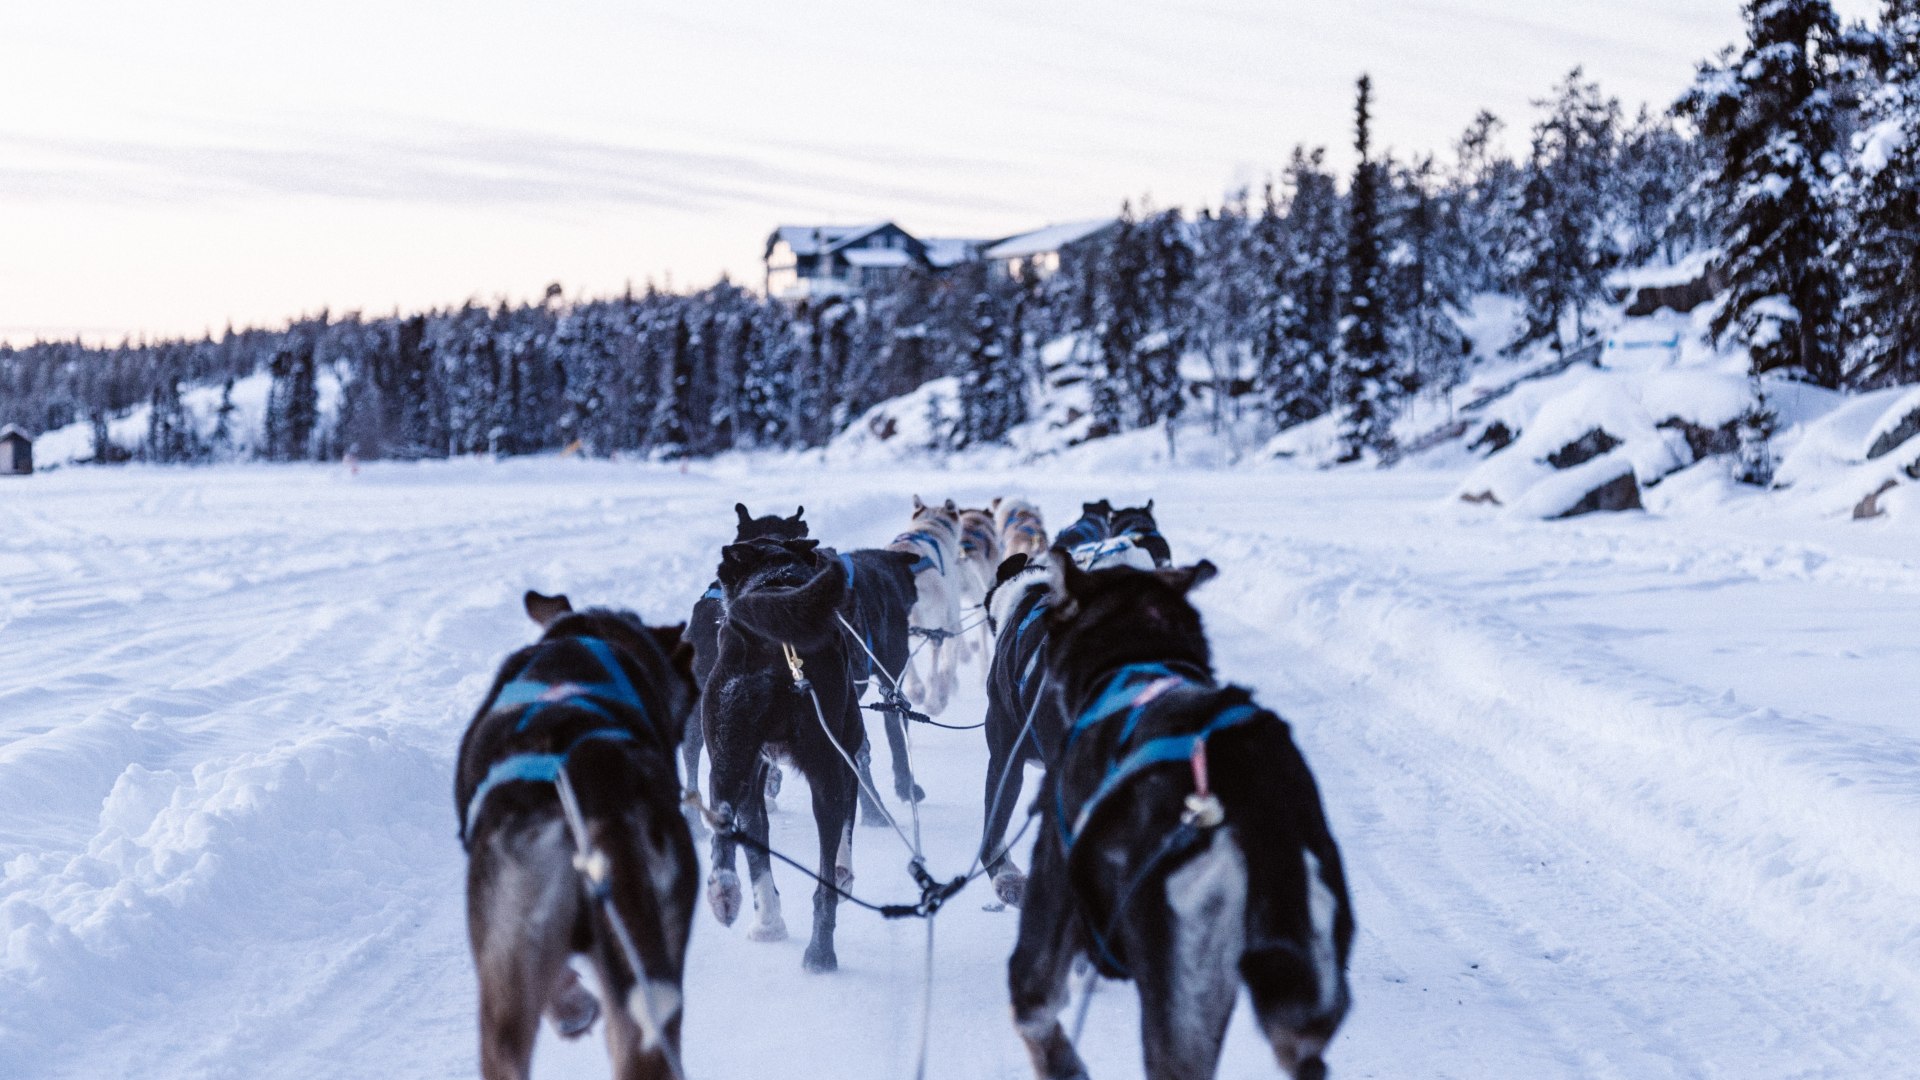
(1624,796)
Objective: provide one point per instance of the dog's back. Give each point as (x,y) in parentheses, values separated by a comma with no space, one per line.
(597,705)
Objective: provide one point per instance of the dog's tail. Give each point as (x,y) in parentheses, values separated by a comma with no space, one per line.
(800,616)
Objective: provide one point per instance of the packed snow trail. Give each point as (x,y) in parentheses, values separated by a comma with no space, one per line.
(1626,797)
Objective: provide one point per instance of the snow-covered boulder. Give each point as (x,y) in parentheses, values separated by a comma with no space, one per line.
(1896,427)
(1603,483)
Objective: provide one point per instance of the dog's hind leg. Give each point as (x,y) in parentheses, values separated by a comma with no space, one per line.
(833,803)
(871,813)
(1188,943)
(691,744)
(768,925)
(1042,959)
(903,786)
(523,900)
(1006,771)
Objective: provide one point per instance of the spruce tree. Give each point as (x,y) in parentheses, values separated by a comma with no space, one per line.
(1882,259)
(1770,117)
(1565,246)
(1364,382)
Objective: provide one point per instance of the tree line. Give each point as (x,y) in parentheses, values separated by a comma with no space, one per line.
(1794,156)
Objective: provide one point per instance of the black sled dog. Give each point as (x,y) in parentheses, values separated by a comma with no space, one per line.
(1023,723)
(1182,845)
(1137,524)
(1095,524)
(782,594)
(703,626)
(597,704)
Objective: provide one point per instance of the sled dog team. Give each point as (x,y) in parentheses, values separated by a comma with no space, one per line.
(1179,837)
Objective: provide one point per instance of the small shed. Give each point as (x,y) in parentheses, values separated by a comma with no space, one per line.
(16,452)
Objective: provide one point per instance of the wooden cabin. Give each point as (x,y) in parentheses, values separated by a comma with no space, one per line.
(16,452)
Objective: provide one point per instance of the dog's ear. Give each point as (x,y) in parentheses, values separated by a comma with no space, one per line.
(1064,581)
(741,510)
(798,512)
(545,609)
(1185,578)
(1149,506)
(952,509)
(918,505)
(804,545)
(1010,566)
(994,506)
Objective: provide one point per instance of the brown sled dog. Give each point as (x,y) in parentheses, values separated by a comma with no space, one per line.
(599,704)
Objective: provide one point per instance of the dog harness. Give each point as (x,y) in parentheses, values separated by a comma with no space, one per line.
(1027,526)
(714,592)
(1084,531)
(1129,693)
(596,697)
(927,542)
(976,537)
(1039,608)
(846,560)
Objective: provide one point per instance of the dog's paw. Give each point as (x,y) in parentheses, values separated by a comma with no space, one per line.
(573,1011)
(1011,888)
(908,791)
(723,894)
(843,878)
(768,929)
(820,959)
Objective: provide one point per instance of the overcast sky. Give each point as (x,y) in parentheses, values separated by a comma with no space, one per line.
(168,167)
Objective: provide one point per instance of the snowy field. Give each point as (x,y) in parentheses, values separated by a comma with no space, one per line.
(1631,796)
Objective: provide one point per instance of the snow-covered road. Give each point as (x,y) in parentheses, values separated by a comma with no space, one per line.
(1627,797)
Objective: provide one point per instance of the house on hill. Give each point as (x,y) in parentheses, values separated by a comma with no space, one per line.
(1038,252)
(820,262)
(16,452)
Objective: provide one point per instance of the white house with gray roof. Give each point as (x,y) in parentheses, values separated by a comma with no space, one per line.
(827,262)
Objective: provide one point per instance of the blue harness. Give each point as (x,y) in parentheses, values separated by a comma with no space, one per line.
(1129,694)
(926,541)
(595,697)
(846,560)
(1020,634)
(1084,531)
(714,592)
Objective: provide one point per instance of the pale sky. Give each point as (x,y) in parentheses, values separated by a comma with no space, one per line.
(168,167)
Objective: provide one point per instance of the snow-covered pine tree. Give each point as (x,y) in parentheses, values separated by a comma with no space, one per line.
(1881,269)
(1770,117)
(221,445)
(1156,358)
(1303,307)
(992,386)
(1652,181)
(1565,248)
(1486,184)
(1119,311)
(1364,380)
(1425,282)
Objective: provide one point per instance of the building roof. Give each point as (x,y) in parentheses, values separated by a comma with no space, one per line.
(877,257)
(1050,238)
(816,239)
(945,251)
(14,430)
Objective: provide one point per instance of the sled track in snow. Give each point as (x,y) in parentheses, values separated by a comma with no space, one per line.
(232,696)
